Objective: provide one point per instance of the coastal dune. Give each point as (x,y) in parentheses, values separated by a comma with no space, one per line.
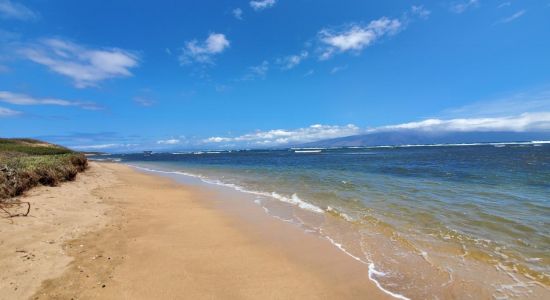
(117,233)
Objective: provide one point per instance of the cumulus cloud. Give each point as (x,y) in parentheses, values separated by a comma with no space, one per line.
(85,66)
(278,137)
(103,146)
(355,37)
(169,142)
(14,10)
(262,4)
(462,6)
(22,99)
(513,17)
(6,112)
(202,52)
(237,13)
(292,61)
(518,123)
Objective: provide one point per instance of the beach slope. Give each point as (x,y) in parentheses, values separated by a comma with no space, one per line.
(118,233)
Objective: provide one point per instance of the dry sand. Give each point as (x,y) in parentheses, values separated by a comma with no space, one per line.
(116,233)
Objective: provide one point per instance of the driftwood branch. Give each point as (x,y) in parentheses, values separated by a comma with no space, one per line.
(4,207)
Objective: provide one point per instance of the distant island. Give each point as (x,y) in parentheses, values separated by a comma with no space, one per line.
(416,137)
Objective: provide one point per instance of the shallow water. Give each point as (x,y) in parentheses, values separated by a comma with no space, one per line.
(430,221)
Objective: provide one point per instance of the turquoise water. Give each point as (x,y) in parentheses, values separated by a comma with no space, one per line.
(445,210)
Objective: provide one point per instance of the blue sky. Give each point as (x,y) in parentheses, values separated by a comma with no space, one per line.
(131,75)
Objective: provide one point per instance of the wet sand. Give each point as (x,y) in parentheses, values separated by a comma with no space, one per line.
(118,233)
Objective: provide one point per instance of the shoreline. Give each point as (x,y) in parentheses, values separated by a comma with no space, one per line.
(157,238)
(427,273)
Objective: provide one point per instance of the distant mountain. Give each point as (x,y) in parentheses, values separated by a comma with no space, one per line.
(411,137)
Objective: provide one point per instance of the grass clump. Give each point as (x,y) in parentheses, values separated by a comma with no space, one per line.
(25,163)
(31,147)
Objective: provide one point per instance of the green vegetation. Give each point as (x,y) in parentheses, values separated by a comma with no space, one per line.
(25,163)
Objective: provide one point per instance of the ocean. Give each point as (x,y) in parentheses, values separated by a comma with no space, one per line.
(424,219)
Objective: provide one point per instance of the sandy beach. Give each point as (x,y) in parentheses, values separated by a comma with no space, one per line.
(118,233)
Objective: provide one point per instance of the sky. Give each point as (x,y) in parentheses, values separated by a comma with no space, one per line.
(137,75)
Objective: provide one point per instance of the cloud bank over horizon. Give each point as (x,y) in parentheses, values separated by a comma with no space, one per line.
(277,137)
(525,122)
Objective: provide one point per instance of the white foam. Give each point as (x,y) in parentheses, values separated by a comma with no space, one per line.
(533,259)
(373,271)
(372,268)
(294,199)
(339,213)
(309,148)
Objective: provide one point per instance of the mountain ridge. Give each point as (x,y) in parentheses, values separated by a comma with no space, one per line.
(411,137)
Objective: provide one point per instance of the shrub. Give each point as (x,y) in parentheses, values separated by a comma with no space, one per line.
(25,163)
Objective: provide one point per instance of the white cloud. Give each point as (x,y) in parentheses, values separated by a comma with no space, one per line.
(237,13)
(103,146)
(355,37)
(338,69)
(217,139)
(420,11)
(462,6)
(257,72)
(169,142)
(22,99)
(518,123)
(292,61)
(6,112)
(86,66)
(13,10)
(283,137)
(513,17)
(504,4)
(202,52)
(262,4)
